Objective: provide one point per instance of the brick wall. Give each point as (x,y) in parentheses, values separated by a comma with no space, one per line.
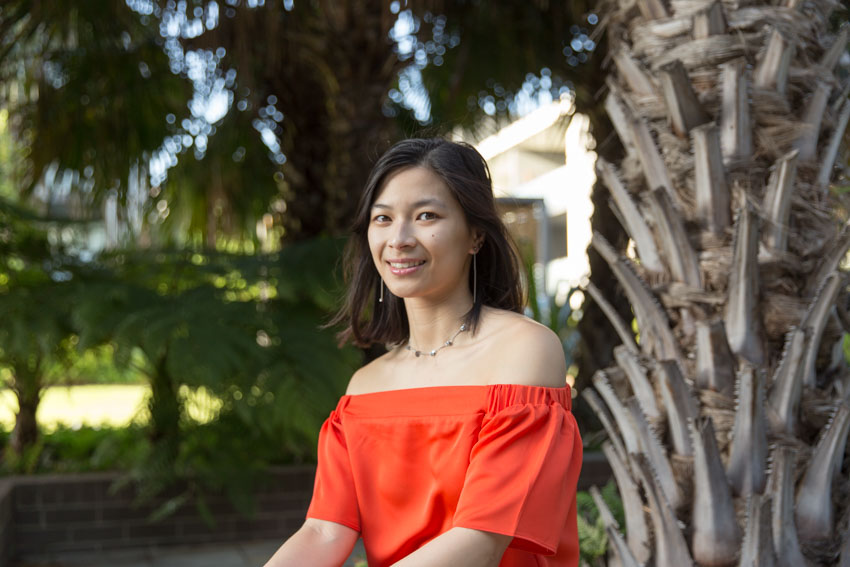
(6,525)
(57,513)
(43,515)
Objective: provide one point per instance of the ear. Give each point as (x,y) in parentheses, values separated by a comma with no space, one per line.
(477,240)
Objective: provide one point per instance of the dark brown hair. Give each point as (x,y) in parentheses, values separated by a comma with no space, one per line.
(467,176)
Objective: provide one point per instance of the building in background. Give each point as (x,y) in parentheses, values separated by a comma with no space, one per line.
(543,174)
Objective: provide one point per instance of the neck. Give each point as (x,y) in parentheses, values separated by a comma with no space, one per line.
(434,322)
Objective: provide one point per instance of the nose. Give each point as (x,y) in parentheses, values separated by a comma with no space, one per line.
(402,236)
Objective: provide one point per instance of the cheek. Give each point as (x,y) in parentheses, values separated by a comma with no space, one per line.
(374,246)
(447,247)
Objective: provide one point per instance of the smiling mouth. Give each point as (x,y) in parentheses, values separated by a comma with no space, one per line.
(404,265)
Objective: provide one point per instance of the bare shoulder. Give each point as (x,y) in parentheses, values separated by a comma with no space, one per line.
(369,377)
(526,352)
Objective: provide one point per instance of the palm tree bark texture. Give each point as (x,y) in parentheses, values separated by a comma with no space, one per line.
(727,415)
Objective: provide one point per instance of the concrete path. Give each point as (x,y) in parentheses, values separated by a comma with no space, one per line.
(253,554)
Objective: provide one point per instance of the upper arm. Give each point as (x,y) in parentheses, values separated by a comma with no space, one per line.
(531,355)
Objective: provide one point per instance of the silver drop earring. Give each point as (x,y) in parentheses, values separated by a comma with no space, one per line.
(381,297)
(474,277)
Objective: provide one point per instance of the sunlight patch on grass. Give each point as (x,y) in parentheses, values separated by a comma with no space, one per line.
(102,405)
(75,406)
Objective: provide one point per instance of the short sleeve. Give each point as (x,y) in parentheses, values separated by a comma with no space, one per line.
(523,468)
(334,496)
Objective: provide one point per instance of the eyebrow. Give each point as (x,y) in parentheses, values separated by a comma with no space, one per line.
(416,205)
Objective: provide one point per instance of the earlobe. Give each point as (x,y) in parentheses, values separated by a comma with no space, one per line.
(478,241)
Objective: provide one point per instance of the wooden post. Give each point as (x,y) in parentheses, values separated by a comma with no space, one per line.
(736,133)
(777,201)
(712,191)
(685,109)
(772,71)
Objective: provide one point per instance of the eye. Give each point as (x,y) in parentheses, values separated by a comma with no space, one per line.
(380,218)
(427,215)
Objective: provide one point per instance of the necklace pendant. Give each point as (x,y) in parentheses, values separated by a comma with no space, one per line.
(449,342)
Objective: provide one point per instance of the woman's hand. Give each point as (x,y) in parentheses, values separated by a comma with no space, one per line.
(459,546)
(318,543)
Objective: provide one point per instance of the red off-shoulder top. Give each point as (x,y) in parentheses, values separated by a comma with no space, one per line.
(403,466)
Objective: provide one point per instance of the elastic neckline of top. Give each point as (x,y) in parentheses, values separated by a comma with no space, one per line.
(452,387)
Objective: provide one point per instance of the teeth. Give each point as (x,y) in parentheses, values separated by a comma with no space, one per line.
(399,265)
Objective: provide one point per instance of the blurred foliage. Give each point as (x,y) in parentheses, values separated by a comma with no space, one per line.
(593,540)
(241,328)
(35,310)
(233,113)
(91,72)
(82,449)
(555,313)
(96,366)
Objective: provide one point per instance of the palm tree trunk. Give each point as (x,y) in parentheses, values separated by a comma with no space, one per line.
(731,114)
(597,336)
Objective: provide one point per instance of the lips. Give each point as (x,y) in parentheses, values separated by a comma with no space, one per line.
(402,267)
(400,264)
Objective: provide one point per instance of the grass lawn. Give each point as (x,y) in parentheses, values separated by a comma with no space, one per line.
(82,405)
(98,404)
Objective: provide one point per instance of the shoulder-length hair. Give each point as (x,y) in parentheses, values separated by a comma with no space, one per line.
(467,176)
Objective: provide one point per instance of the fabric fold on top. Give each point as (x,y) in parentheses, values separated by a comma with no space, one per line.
(404,466)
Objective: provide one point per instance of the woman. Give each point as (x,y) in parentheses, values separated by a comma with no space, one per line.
(456,447)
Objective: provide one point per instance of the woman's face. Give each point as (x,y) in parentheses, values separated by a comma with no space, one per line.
(419,238)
